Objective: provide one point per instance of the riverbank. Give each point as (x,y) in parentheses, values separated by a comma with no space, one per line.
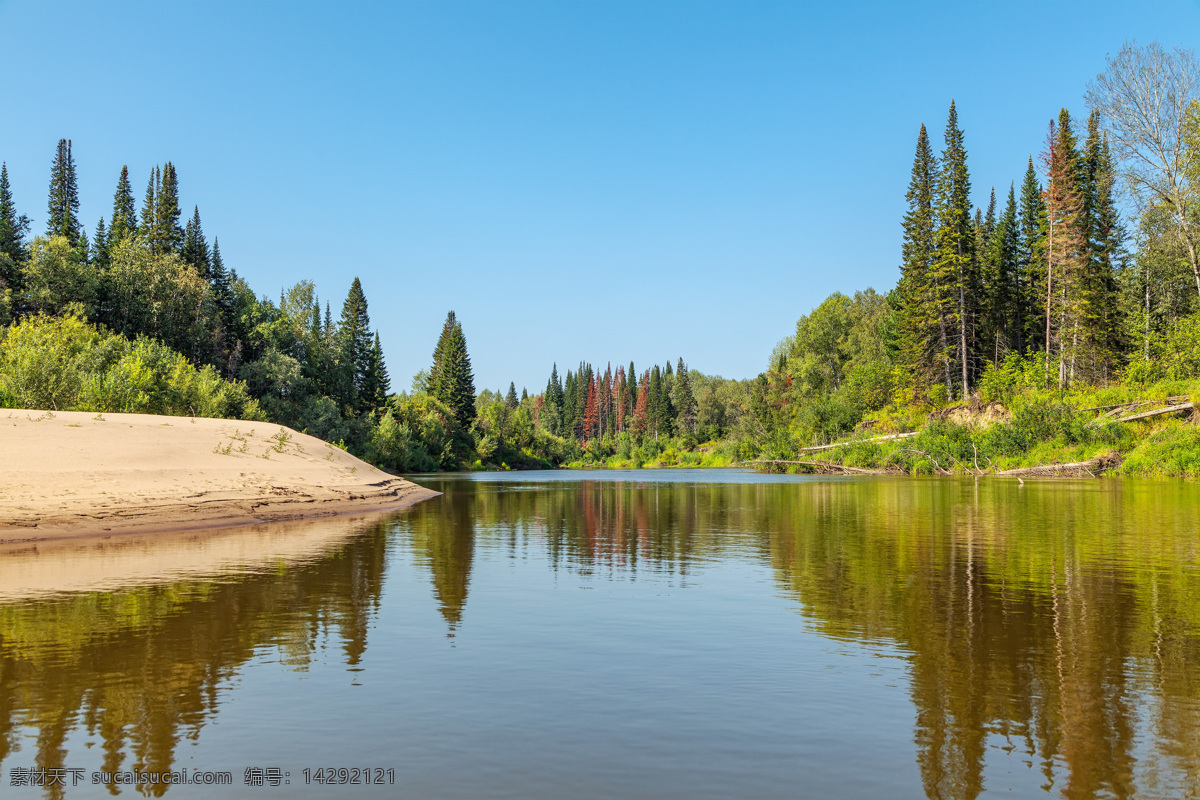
(78,474)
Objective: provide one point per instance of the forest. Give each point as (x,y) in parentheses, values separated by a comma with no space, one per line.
(1077,287)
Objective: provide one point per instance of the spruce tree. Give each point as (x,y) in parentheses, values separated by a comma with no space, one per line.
(376,385)
(195,248)
(439,351)
(149,225)
(124,213)
(954,266)
(510,399)
(63,206)
(13,227)
(100,247)
(168,233)
(923,326)
(221,284)
(1031,242)
(354,337)
(454,383)
(1066,253)
(685,399)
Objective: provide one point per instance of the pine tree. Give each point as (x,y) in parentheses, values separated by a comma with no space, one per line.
(124,214)
(63,219)
(13,227)
(510,399)
(195,249)
(923,326)
(954,265)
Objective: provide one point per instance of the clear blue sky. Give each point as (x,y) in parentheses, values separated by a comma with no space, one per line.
(577,180)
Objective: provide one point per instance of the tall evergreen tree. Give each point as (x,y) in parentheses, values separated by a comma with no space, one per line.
(63,206)
(685,399)
(124,213)
(923,326)
(100,247)
(354,357)
(195,248)
(451,378)
(13,227)
(439,351)
(1066,253)
(168,234)
(954,267)
(149,226)
(376,383)
(510,399)
(1031,267)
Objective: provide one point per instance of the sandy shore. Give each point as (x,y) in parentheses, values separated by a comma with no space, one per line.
(73,474)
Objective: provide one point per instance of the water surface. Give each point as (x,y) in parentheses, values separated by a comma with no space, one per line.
(662,634)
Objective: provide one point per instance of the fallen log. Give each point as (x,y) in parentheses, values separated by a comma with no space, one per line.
(888,438)
(815,465)
(1092,467)
(1157,412)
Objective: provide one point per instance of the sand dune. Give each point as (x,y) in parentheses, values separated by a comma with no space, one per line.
(70,474)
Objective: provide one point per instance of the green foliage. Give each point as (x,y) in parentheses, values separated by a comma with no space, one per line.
(63,363)
(1002,382)
(56,277)
(415,434)
(450,376)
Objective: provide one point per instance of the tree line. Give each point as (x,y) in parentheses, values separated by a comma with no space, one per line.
(149,274)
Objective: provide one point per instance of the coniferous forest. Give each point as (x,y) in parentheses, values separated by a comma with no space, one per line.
(1073,289)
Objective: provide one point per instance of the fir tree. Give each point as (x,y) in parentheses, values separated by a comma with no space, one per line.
(100,247)
(354,357)
(954,266)
(63,219)
(924,333)
(168,234)
(13,227)
(195,248)
(221,284)
(1031,242)
(454,384)
(510,399)
(685,400)
(1066,252)
(439,351)
(376,383)
(149,226)
(124,213)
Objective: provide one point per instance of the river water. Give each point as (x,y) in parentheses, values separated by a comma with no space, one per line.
(652,634)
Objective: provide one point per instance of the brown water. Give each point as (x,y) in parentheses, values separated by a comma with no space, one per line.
(652,634)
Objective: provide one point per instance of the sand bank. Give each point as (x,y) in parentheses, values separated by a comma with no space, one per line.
(71,474)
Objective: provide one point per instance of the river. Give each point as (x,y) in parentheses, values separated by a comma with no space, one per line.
(648,634)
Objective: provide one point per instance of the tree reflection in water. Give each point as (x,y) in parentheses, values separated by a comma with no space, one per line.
(1057,620)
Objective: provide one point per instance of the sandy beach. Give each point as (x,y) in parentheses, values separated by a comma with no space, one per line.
(71,474)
